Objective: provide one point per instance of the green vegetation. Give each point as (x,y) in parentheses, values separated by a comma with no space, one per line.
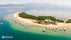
(40,18)
(24,15)
(46,17)
(60,20)
(68,21)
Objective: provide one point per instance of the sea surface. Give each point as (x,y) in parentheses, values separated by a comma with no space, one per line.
(7,31)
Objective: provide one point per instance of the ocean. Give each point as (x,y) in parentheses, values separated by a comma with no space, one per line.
(7,30)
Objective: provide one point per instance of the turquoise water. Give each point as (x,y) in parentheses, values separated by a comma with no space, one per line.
(19,35)
(6,29)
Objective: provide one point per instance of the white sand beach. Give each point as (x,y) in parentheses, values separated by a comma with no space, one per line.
(30,22)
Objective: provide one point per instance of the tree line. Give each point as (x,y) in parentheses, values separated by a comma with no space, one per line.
(25,15)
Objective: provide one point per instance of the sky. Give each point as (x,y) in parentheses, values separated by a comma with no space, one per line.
(53,2)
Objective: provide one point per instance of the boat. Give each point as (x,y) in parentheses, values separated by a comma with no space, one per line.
(44,30)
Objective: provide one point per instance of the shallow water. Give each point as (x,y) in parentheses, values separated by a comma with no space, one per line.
(8,28)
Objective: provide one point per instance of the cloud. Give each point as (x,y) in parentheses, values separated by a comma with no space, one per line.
(53,2)
(60,2)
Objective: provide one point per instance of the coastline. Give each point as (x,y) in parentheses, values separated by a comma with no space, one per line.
(30,22)
(37,29)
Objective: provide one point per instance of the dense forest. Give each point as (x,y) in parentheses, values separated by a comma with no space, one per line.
(68,21)
(25,15)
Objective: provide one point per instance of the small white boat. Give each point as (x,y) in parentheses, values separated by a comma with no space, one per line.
(44,30)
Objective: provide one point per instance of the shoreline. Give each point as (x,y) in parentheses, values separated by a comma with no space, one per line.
(30,22)
(37,29)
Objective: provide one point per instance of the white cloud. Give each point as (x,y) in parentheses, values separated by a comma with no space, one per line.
(60,2)
(54,2)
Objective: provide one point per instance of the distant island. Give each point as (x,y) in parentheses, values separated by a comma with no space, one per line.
(48,22)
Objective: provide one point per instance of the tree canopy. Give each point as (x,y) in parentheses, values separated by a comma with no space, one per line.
(25,15)
(68,21)
(60,20)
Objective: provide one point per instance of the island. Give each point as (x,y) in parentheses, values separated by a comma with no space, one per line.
(46,22)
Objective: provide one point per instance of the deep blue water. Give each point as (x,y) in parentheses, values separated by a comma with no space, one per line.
(6,30)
